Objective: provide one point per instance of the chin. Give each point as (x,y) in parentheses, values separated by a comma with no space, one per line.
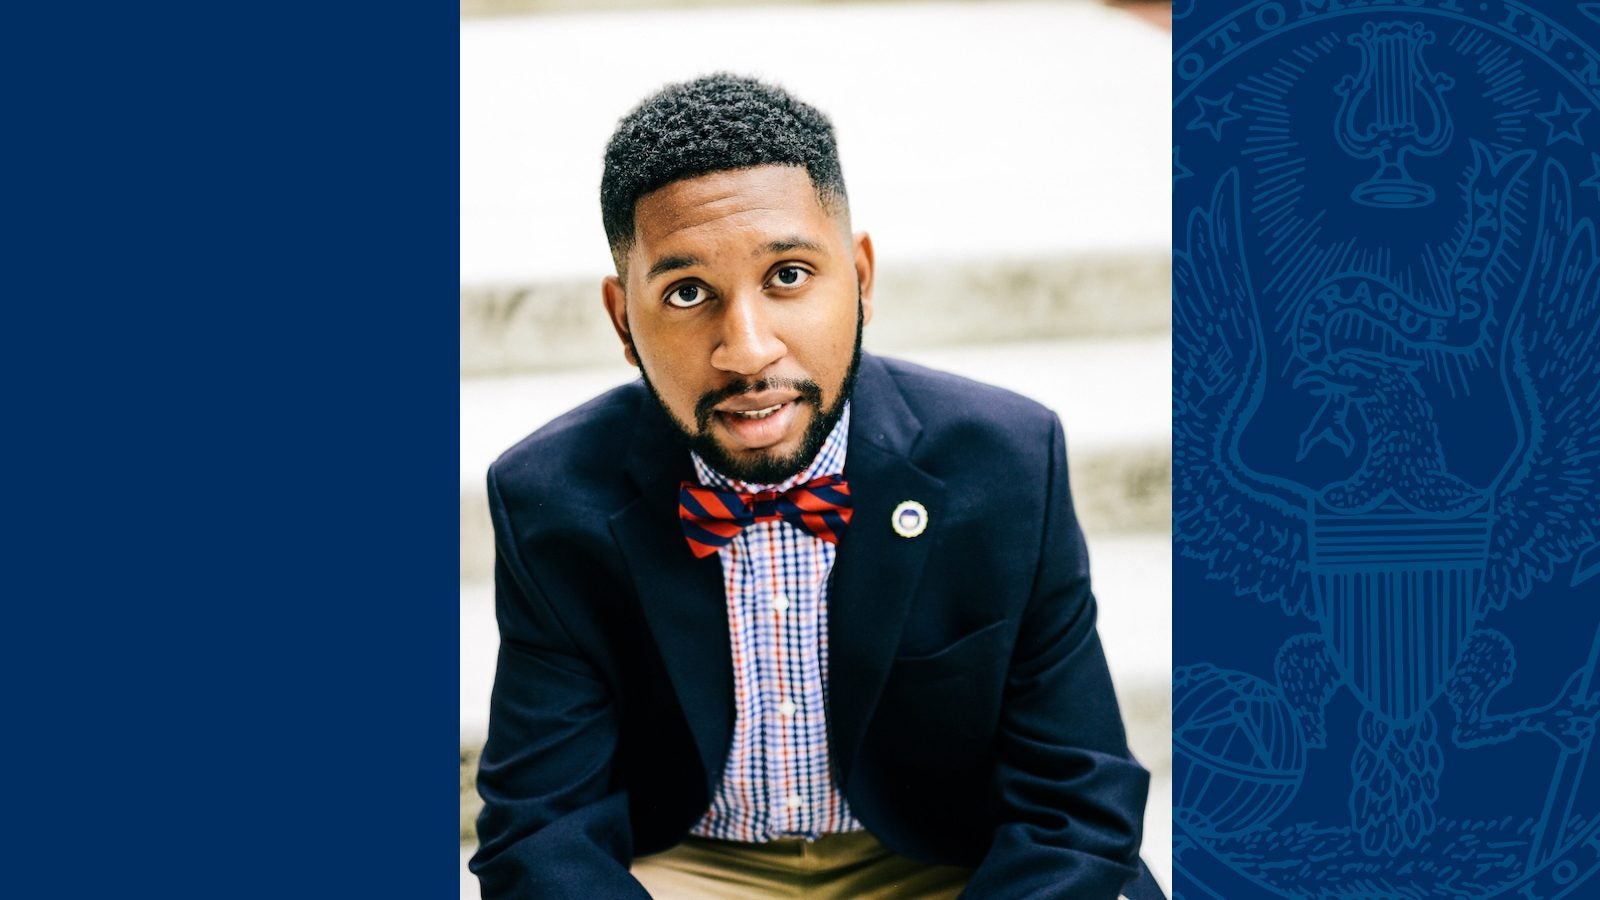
(776,457)
(769,465)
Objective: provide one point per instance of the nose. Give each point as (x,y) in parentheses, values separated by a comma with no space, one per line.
(748,342)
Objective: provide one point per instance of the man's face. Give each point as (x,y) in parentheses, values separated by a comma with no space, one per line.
(741,308)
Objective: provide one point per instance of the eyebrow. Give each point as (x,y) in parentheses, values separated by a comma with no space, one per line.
(672,263)
(794,242)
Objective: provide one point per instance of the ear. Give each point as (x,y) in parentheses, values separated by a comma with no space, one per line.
(616,302)
(864,269)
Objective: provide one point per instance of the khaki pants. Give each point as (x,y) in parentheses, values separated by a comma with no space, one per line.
(852,865)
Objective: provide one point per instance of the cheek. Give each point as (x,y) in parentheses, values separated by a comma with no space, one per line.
(674,364)
(833,315)
(831,345)
(654,344)
(844,327)
(667,369)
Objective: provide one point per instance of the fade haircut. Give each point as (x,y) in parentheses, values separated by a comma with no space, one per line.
(712,124)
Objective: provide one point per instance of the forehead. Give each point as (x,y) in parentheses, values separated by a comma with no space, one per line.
(752,203)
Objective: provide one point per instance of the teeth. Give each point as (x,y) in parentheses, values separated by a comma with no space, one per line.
(759,413)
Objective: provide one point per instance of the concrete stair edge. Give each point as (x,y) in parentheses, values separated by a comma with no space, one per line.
(559,323)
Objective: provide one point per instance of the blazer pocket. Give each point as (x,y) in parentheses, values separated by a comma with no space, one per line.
(976,647)
(938,710)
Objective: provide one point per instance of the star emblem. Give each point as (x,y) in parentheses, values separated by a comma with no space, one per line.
(1215,113)
(1181,171)
(1563,121)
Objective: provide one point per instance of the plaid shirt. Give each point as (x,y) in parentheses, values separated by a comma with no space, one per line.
(777,781)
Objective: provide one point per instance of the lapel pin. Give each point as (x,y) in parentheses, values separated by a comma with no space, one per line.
(910,519)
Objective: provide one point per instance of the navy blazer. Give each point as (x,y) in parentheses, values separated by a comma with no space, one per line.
(971,717)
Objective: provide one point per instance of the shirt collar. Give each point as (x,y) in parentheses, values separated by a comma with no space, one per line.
(828,461)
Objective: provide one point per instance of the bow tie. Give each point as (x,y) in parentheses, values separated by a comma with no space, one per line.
(712,517)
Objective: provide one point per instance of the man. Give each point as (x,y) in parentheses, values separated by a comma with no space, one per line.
(781,618)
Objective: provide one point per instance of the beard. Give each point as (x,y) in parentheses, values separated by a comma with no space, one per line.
(765,468)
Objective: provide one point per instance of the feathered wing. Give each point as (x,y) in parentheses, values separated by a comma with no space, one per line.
(1249,529)
(1547,500)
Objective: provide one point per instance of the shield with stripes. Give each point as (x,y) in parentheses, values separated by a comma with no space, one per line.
(1396,592)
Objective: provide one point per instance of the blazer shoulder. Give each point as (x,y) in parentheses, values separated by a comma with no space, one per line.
(945,403)
(577,454)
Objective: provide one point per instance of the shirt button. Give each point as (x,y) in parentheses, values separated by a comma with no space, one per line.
(787,707)
(780,602)
(794,802)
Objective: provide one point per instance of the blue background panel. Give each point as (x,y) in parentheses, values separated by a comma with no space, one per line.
(1386,415)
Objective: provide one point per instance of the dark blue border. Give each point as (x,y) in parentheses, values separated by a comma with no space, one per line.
(233,376)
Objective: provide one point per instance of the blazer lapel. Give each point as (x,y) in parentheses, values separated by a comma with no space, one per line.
(682,597)
(876,573)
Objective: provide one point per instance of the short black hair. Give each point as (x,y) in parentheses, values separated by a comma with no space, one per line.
(711,124)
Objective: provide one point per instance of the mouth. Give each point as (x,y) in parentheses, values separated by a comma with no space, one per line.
(756,417)
(756,404)
(754,414)
(757,427)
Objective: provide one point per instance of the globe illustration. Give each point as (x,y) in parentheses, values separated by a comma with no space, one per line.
(1238,758)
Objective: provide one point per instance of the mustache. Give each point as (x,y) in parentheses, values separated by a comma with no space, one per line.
(808,390)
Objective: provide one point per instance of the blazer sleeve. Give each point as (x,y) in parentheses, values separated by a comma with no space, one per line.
(554,821)
(1072,798)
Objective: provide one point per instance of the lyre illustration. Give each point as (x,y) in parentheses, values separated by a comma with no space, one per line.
(1385,109)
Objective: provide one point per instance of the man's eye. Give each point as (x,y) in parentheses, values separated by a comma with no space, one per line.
(790,276)
(686,296)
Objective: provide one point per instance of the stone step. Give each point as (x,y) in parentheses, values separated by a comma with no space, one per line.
(560,323)
(1112,395)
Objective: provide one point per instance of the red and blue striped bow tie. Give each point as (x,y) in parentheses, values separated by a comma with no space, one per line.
(712,517)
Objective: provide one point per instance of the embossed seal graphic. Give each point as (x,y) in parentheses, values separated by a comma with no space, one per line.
(1387,428)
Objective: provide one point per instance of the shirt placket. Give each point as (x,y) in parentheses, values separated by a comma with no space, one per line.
(795,710)
(776,583)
